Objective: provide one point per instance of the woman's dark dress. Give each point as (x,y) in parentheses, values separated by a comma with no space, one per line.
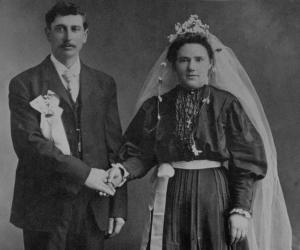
(198,201)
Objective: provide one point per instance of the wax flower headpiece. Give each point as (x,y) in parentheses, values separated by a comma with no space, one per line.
(192,25)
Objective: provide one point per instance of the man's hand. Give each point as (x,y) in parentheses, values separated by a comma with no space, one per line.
(115,176)
(238,227)
(114,226)
(97,180)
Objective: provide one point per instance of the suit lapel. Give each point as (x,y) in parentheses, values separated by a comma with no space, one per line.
(87,85)
(89,94)
(54,83)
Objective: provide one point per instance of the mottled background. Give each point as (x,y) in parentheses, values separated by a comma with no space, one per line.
(125,39)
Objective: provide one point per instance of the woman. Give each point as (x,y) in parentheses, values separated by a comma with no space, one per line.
(200,116)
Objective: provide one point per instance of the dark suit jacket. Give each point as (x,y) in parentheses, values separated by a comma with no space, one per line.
(47,181)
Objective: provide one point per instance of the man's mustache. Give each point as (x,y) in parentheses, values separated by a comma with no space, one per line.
(67,45)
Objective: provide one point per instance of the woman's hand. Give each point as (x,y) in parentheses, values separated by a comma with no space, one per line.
(115,176)
(238,227)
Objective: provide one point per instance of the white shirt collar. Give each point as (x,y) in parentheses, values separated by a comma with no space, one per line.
(61,68)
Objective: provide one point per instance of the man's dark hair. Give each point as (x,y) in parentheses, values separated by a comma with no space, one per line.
(63,8)
(188,38)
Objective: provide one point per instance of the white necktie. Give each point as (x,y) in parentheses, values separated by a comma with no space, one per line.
(72,84)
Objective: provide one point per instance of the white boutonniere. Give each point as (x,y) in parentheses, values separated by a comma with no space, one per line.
(47,105)
(51,124)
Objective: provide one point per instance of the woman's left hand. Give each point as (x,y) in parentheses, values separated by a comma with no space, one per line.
(238,227)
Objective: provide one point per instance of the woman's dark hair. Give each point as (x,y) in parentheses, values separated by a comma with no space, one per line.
(188,38)
(63,8)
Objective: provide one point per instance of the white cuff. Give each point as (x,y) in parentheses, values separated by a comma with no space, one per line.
(241,211)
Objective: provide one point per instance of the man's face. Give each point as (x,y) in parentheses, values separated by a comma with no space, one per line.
(66,36)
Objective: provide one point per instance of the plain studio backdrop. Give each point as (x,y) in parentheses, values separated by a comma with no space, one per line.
(125,39)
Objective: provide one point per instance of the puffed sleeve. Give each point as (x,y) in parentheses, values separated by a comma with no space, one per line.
(138,150)
(247,162)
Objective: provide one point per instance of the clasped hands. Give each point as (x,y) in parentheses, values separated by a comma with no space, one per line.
(105,182)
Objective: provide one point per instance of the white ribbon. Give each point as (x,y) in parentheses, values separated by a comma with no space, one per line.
(51,124)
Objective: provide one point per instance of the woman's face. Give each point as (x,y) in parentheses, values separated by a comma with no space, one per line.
(192,65)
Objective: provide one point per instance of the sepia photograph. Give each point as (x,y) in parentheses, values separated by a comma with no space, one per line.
(150,125)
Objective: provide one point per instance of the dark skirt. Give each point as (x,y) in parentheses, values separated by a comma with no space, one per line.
(196,211)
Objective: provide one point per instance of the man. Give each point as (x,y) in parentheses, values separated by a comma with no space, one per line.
(56,198)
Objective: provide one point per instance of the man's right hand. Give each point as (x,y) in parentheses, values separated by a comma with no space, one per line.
(97,180)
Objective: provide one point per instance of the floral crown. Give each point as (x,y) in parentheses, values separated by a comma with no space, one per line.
(192,25)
